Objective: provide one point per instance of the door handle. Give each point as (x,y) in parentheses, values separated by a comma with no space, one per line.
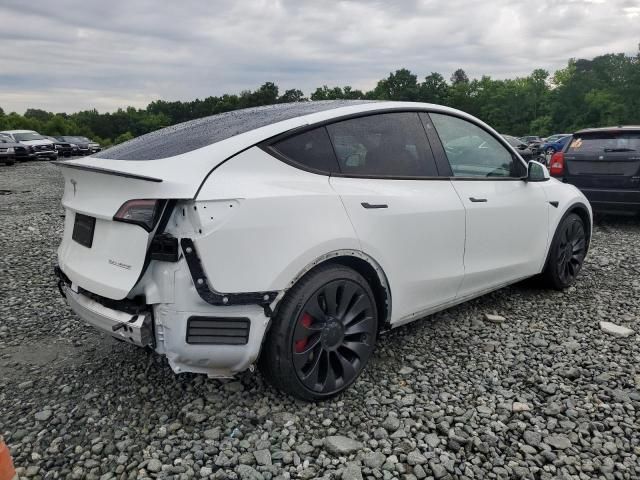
(368,205)
(478,200)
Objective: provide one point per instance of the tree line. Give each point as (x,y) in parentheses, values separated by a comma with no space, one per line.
(586,93)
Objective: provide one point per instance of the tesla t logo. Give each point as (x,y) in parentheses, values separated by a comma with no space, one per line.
(74,183)
(600,157)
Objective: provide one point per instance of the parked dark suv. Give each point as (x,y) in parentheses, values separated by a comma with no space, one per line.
(64,149)
(605,164)
(21,152)
(83,144)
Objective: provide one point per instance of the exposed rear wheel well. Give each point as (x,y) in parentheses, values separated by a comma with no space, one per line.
(371,275)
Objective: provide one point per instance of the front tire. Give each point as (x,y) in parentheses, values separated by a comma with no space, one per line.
(322,335)
(567,252)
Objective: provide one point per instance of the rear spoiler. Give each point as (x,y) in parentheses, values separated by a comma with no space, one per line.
(106,171)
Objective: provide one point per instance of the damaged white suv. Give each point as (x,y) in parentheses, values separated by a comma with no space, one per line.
(291,235)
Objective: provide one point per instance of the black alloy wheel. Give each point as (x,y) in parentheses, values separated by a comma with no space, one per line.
(332,336)
(567,253)
(323,334)
(571,251)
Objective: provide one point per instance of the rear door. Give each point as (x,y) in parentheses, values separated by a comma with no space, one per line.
(604,160)
(406,217)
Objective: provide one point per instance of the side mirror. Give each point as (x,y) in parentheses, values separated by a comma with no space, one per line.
(537,172)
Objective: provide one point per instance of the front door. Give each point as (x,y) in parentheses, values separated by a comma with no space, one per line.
(506,217)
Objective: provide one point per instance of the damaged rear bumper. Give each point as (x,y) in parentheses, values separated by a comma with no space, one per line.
(132,328)
(195,335)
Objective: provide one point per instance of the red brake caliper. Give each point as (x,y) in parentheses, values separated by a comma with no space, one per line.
(306,321)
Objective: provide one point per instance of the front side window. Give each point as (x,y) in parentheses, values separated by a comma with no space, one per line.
(389,144)
(474,152)
(311,149)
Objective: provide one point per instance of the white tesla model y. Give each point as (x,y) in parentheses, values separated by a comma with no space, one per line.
(290,236)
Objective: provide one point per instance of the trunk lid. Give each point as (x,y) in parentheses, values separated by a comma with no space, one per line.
(604,159)
(111,261)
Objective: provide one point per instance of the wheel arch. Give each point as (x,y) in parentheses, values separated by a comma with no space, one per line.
(366,266)
(584,212)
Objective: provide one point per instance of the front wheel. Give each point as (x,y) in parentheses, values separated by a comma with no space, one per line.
(567,252)
(323,334)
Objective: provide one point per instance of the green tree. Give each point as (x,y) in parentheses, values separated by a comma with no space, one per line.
(459,76)
(541,126)
(292,95)
(123,137)
(434,89)
(401,85)
(336,93)
(38,114)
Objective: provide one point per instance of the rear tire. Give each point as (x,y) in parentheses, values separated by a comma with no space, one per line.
(567,252)
(322,335)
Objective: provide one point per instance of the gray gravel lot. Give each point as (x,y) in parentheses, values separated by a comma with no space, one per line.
(544,394)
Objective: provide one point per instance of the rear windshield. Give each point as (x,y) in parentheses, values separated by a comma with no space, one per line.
(606,142)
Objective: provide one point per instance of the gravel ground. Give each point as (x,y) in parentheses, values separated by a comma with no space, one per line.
(544,394)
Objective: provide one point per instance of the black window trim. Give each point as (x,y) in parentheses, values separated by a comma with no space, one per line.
(433,141)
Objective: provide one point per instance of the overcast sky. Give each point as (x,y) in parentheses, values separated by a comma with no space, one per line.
(69,55)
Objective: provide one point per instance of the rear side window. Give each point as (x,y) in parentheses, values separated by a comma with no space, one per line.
(605,142)
(390,144)
(311,149)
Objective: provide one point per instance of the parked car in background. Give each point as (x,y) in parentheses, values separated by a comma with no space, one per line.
(361,234)
(534,143)
(604,163)
(64,149)
(7,153)
(554,143)
(42,147)
(523,149)
(95,147)
(85,146)
(21,152)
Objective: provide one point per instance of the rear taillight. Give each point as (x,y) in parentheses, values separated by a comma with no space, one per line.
(140,212)
(556,165)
